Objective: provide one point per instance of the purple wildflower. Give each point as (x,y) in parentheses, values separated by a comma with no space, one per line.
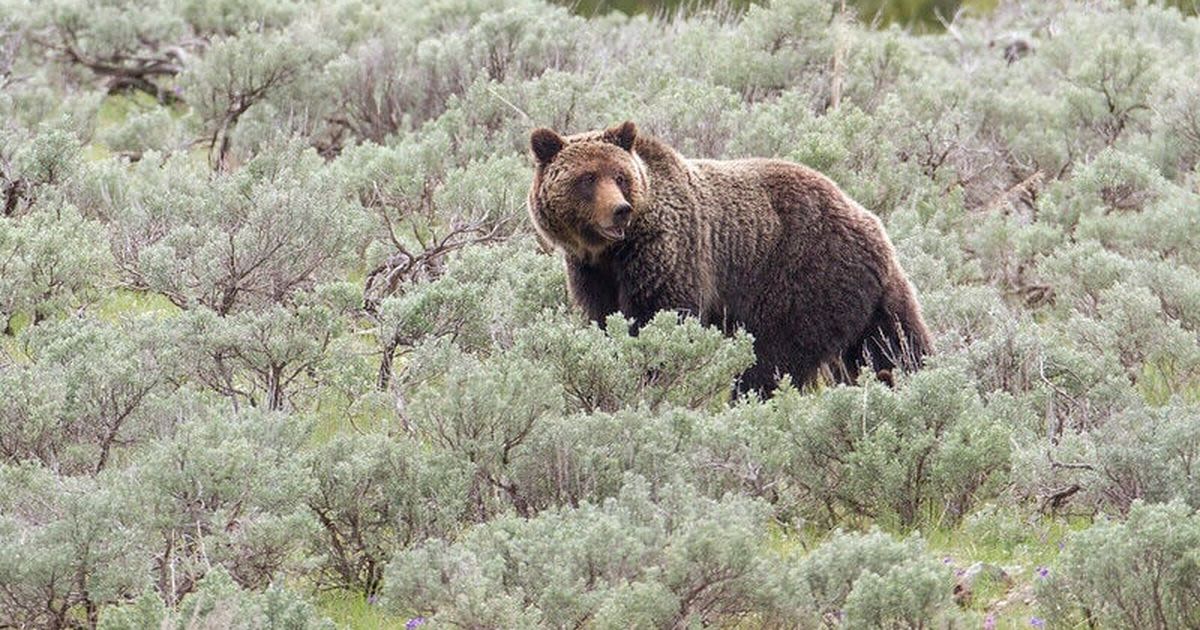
(414,622)
(1037,622)
(1043,572)
(947,560)
(989,622)
(373,599)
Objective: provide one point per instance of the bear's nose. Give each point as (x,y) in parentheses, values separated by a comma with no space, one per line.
(622,213)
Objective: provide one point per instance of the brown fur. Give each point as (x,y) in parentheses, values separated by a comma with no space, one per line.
(767,245)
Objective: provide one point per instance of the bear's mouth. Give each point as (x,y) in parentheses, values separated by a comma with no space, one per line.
(612,233)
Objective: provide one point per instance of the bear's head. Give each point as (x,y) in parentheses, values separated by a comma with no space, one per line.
(588,188)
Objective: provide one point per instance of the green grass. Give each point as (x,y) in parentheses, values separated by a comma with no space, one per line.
(1005,537)
(1159,382)
(119,302)
(1011,540)
(11,350)
(19,321)
(115,108)
(352,611)
(334,416)
(113,111)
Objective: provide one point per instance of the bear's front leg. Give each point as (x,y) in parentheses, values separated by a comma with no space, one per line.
(593,288)
(653,278)
(642,305)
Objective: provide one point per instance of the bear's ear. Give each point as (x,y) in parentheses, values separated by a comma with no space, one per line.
(545,144)
(622,135)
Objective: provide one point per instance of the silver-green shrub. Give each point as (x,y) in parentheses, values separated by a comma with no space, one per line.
(68,546)
(924,451)
(224,490)
(872,581)
(229,242)
(1141,573)
(374,494)
(664,558)
(88,393)
(50,261)
(218,602)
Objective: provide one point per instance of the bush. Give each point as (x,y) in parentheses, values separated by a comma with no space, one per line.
(89,392)
(923,452)
(674,559)
(482,412)
(218,602)
(239,73)
(233,242)
(1142,573)
(50,261)
(873,581)
(271,356)
(664,558)
(1138,455)
(667,363)
(68,546)
(153,129)
(223,491)
(374,494)
(481,300)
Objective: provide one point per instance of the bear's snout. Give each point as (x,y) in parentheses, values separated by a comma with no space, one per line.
(618,219)
(621,214)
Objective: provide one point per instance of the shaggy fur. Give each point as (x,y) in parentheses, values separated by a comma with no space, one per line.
(767,245)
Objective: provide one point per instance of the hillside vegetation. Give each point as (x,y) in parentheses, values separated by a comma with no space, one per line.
(280,351)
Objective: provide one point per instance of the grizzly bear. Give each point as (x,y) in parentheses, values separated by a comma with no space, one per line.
(766,245)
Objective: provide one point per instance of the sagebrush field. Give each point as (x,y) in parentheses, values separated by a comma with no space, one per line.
(280,350)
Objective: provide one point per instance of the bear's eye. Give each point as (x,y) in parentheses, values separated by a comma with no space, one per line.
(620,179)
(586,180)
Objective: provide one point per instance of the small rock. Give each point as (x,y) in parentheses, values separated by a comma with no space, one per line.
(964,587)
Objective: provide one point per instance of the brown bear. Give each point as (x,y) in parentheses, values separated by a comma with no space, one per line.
(767,245)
